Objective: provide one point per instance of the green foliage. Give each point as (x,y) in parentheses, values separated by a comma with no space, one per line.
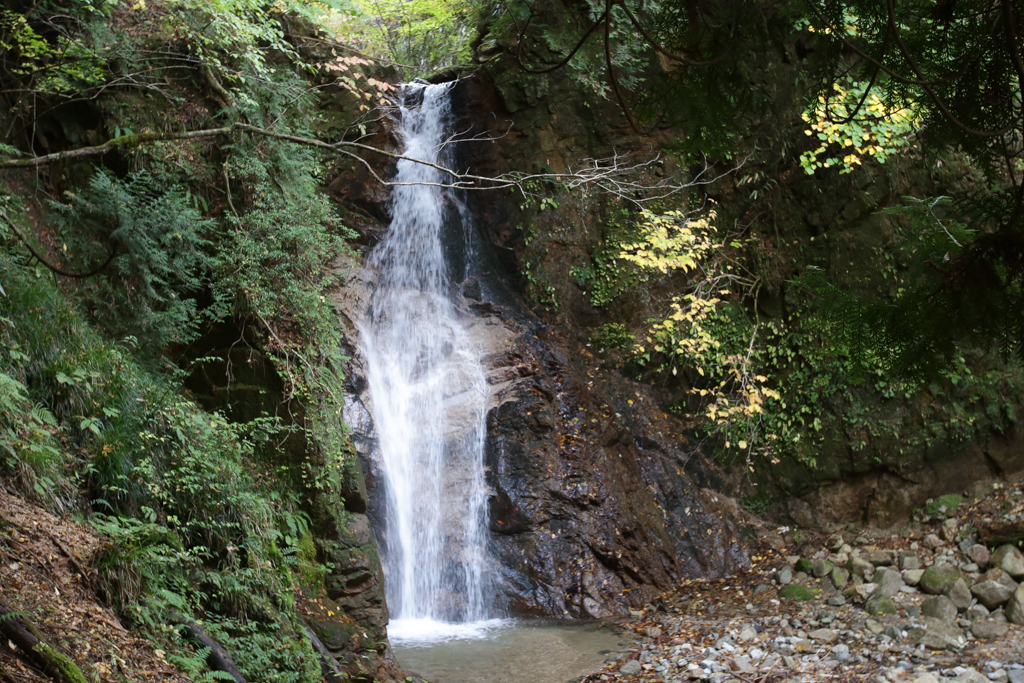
(853,123)
(609,275)
(195,522)
(430,36)
(944,505)
(160,243)
(611,336)
(194,666)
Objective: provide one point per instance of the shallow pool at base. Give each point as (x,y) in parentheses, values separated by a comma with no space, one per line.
(504,650)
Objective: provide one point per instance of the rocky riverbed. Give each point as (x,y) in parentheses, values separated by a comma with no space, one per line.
(938,599)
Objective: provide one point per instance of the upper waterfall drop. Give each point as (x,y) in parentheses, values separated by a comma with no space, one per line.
(428,393)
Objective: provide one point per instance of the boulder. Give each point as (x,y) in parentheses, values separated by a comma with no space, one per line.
(912,577)
(939,607)
(784,576)
(931,541)
(1009,559)
(970,676)
(860,567)
(976,613)
(795,591)
(878,558)
(880,604)
(1015,607)
(860,592)
(889,582)
(820,568)
(936,634)
(803,565)
(988,630)
(908,561)
(939,580)
(840,577)
(960,594)
(996,574)
(991,594)
(979,554)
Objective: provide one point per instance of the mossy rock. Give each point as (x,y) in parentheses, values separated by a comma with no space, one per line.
(880,604)
(803,565)
(795,591)
(939,580)
(944,506)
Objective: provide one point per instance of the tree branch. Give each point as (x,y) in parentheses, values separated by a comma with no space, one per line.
(55,269)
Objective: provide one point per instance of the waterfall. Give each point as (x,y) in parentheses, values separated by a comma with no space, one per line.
(428,394)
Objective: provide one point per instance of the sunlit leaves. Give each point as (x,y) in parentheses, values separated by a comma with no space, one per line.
(847,134)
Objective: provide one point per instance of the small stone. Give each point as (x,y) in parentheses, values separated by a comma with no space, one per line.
(970,568)
(836,601)
(823,635)
(939,607)
(880,604)
(795,591)
(931,541)
(926,678)
(874,626)
(960,594)
(1016,675)
(802,645)
(1009,559)
(988,630)
(894,632)
(740,665)
(992,594)
(784,576)
(820,568)
(835,542)
(630,668)
(908,561)
(912,577)
(746,633)
(999,676)
(939,580)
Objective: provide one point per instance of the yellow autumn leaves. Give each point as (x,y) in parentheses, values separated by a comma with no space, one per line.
(697,332)
(847,134)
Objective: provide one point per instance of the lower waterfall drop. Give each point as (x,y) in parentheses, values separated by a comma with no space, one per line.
(429,398)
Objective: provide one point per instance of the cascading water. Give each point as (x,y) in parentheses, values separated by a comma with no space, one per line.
(429,397)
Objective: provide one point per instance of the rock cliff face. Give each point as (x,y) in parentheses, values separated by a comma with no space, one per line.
(596,505)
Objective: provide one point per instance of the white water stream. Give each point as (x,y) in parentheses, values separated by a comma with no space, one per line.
(429,398)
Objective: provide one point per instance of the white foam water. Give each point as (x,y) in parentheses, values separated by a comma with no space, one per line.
(429,395)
